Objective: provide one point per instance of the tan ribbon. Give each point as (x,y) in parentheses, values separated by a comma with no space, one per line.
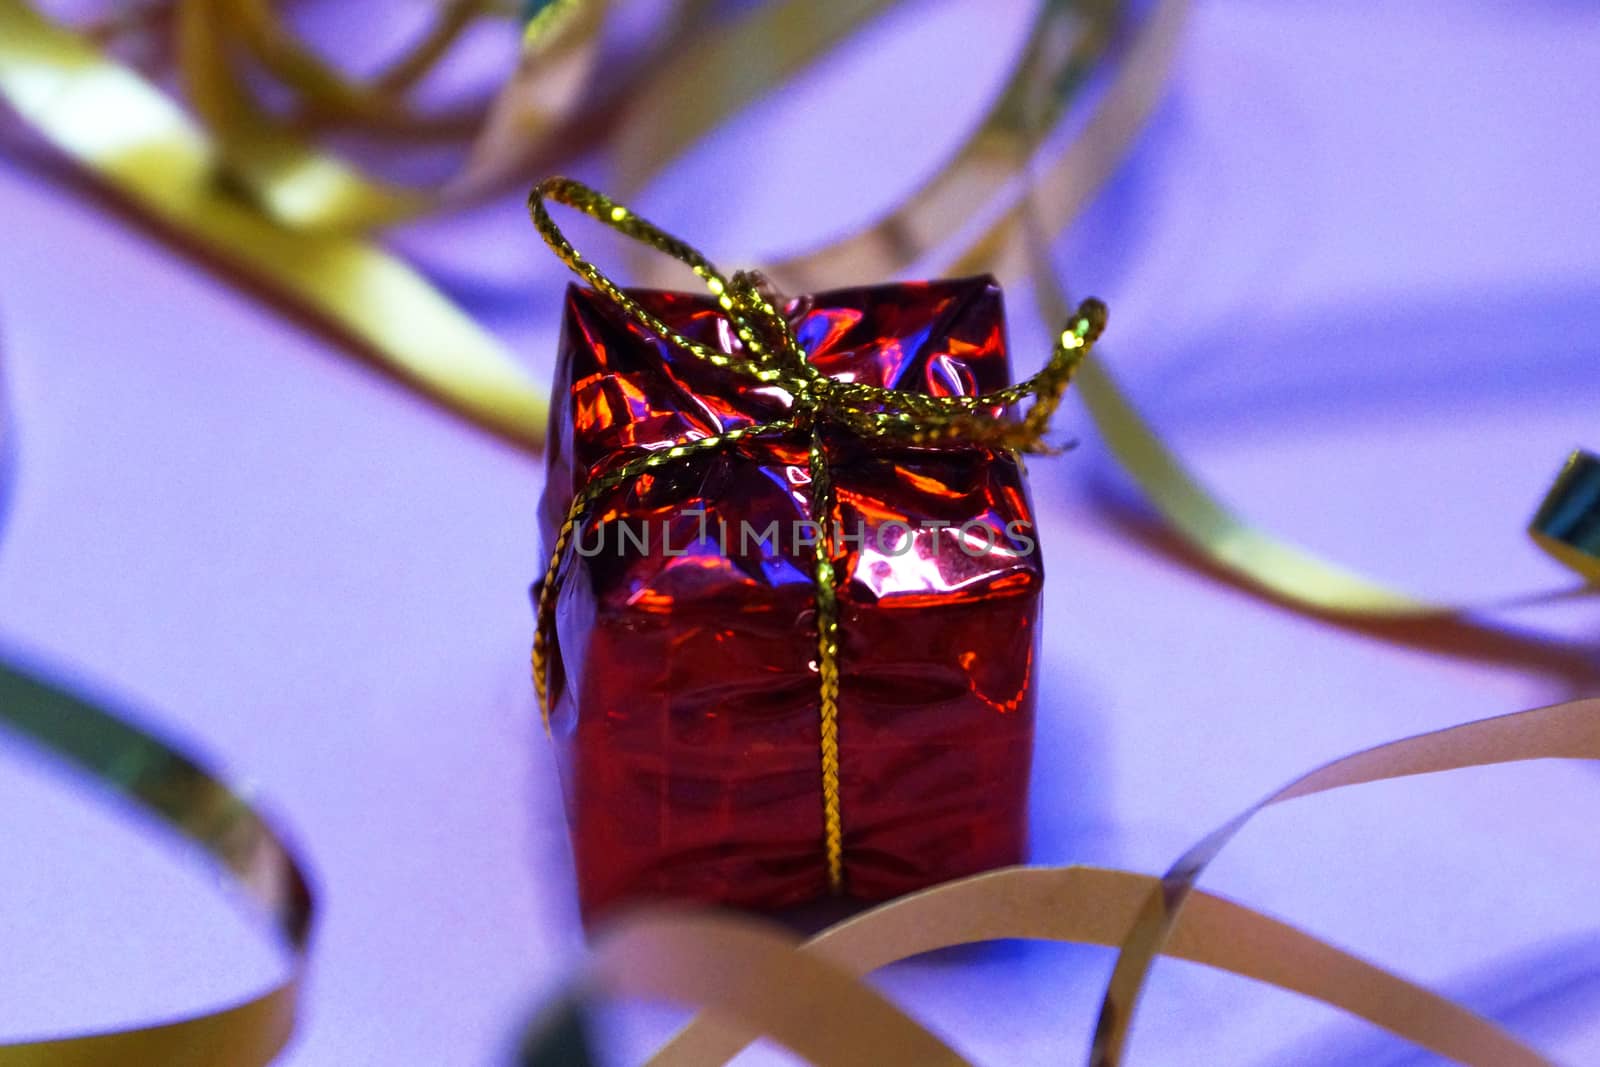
(1077,905)
(757,979)
(1561,731)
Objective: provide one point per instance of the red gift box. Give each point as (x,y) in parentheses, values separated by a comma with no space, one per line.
(685,688)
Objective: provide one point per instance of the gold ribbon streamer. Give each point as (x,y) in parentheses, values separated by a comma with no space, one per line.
(756,979)
(1267,563)
(294,184)
(1561,731)
(772,356)
(192,802)
(138,144)
(326,96)
(1095,906)
(1281,570)
(983,178)
(303,187)
(197,805)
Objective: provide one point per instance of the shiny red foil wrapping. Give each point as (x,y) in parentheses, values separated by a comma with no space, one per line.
(685,690)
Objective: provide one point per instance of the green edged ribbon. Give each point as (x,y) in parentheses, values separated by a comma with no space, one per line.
(189,800)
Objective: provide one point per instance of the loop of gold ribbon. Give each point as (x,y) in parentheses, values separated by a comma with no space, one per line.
(771,356)
(987,176)
(214,817)
(1563,731)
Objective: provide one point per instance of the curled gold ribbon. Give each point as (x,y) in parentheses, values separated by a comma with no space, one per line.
(757,979)
(772,356)
(1096,906)
(304,187)
(1564,527)
(138,144)
(1269,564)
(1255,557)
(294,184)
(1561,731)
(214,817)
(988,175)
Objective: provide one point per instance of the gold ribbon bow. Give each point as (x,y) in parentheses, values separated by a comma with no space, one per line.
(772,356)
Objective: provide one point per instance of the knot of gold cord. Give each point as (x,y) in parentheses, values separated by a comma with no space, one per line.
(772,355)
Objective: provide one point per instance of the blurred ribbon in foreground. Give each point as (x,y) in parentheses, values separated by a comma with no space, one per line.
(756,979)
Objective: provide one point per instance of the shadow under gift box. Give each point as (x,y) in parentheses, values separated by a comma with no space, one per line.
(684,684)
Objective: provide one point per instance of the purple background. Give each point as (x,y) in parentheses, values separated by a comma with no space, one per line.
(1353,272)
